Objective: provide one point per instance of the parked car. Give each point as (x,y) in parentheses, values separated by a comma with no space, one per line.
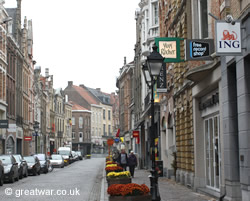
(44,162)
(57,160)
(79,155)
(75,156)
(10,168)
(66,154)
(22,166)
(34,166)
(1,173)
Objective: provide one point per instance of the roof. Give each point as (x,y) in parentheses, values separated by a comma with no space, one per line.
(84,93)
(77,107)
(103,97)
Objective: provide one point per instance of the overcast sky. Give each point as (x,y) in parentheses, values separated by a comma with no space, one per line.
(82,41)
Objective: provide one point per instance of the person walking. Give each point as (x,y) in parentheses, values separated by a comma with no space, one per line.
(132,163)
(123,159)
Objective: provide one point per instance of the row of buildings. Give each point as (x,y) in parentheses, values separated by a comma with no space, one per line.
(35,117)
(202,120)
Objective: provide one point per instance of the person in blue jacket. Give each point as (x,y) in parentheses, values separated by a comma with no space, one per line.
(132,163)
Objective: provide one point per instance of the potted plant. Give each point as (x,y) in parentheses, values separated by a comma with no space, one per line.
(128,192)
(118,178)
(113,169)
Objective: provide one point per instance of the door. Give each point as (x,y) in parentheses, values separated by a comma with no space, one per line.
(213,153)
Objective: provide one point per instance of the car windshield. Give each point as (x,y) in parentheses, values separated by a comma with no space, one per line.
(41,157)
(17,157)
(5,160)
(56,157)
(29,159)
(63,152)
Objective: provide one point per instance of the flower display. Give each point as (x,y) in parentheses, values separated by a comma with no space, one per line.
(111,165)
(125,174)
(114,169)
(110,162)
(127,189)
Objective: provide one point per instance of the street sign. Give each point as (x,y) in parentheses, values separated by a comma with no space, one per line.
(199,49)
(228,38)
(117,140)
(27,138)
(110,142)
(4,123)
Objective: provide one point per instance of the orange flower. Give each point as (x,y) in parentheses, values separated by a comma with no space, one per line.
(128,189)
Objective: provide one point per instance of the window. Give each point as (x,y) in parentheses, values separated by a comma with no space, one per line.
(80,122)
(73,135)
(80,137)
(203,18)
(109,129)
(104,128)
(103,114)
(73,121)
(155,17)
(109,116)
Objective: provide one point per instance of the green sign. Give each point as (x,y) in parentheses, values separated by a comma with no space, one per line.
(169,48)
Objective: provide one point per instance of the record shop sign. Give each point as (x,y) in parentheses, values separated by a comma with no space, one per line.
(228,38)
(199,49)
(4,123)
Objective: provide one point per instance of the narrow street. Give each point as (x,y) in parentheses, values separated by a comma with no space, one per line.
(78,181)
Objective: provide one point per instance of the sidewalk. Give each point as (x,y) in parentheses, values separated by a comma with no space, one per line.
(169,190)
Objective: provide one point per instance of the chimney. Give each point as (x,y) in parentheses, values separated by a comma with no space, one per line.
(70,83)
(46,72)
(125,62)
(82,85)
(98,89)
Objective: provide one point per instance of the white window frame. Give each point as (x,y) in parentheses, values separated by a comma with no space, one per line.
(73,121)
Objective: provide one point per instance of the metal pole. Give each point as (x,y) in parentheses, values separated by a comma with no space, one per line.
(36,142)
(154,175)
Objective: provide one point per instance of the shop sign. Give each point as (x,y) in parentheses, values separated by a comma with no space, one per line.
(4,123)
(199,49)
(161,81)
(169,48)
(228,38)
(27,138)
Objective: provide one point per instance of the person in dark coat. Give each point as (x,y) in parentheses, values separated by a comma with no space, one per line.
(123,159)
(132,163)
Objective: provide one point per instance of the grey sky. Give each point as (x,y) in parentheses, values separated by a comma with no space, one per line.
(82,41)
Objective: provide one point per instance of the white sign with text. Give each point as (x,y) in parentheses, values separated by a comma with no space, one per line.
(228,38)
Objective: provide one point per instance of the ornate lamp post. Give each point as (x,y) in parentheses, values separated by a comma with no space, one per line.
(36,129)
(151,70)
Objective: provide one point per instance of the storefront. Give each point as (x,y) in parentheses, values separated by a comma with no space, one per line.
(208,141)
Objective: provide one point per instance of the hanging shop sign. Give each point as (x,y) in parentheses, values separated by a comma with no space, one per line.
(228,38)
(136,134)
(199,49)
(161,81)
(169,48)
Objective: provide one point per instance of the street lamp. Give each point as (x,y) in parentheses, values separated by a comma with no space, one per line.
(151,70)
(36,129)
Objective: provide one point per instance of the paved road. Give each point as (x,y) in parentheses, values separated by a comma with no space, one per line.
(78,181)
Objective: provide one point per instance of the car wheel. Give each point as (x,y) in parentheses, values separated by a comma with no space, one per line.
(21,174)
(34,172)
(17,178)
(39,172)
(12,179)
(26,173)
(1,180)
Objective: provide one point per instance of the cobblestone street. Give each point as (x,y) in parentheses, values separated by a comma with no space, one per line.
(78,181)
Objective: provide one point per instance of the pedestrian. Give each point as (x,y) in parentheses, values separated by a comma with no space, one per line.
(132,163)
(123,159)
